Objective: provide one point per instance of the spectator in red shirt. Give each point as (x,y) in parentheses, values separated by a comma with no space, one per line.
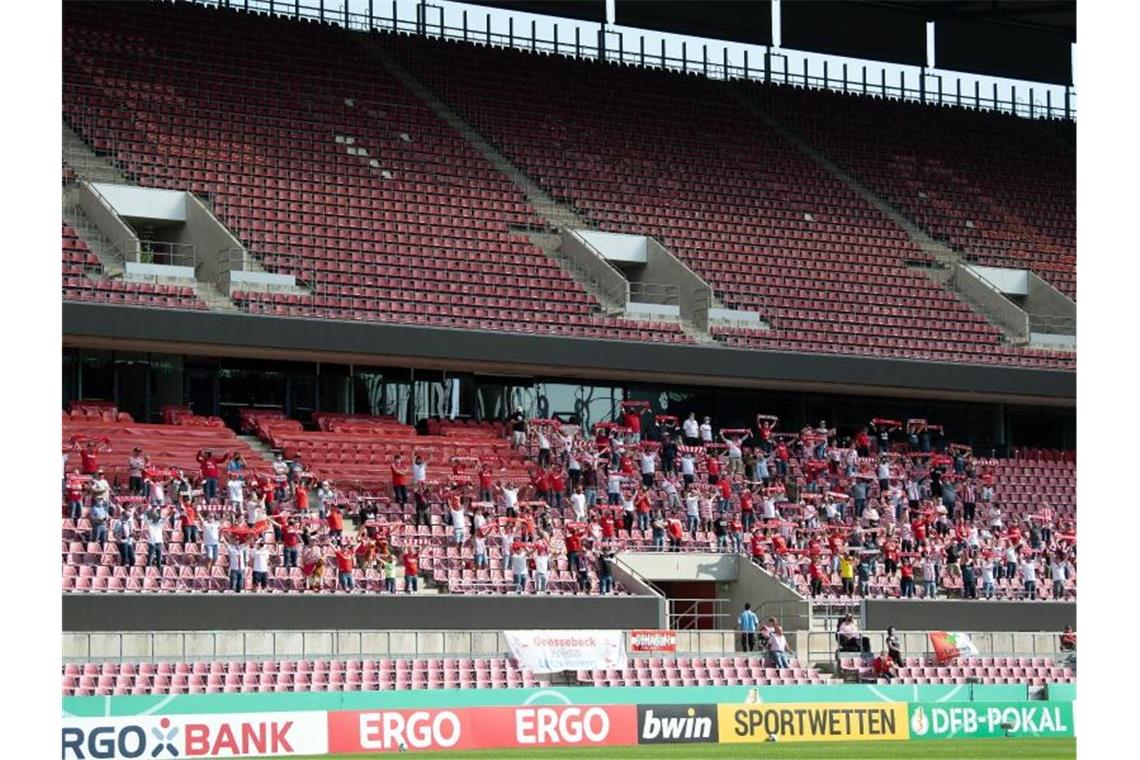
(335,522)
(290,540)
(557,487)
(485,486)
(411,570)
(758,548)
(74,488)
(573,543)
(747,515)
(608,528)
(712,465)
(400,479)
(208,467)
(884,667)
(676,533)
(906,579)
(89,454)
(344,577)
(816,576)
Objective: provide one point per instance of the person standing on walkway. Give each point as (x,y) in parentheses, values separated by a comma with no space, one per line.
(748,623)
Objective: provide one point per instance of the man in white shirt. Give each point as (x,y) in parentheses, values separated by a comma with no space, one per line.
(691,430)
(1029,577)
(211,535)
(419,470)
(688,468)
(154,538)
(479,547)
(506,539)
(613,486)
(692,510)
(648,468)
(260,566)
(541,570)
(706,431)
(543,446)
(238,560)
(519,569)
(510,499)
(778,648)
(672,498)
(1059,572)
(458,521)
(235,488)
(578,504)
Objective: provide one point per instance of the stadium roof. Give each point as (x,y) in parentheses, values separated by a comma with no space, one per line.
(1019,39)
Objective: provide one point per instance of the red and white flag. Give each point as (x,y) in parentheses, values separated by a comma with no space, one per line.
(950,646)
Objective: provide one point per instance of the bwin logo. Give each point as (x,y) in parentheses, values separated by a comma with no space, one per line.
(666,724)
(165,739)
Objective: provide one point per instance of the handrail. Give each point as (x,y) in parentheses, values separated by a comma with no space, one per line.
(700,66)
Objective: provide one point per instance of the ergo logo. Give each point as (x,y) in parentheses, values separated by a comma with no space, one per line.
(419,730)
(570,725)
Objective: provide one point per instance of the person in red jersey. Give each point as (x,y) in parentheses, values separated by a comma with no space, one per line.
(400,479)
(343,556)
(411,561)
(208,467)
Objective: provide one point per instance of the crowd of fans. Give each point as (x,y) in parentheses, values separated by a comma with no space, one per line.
(891,503)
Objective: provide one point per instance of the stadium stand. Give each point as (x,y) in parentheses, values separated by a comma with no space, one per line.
(766,226)
(398,674)
(1035,671)
(834,519)
(421,232)
(79,262)
(996,187)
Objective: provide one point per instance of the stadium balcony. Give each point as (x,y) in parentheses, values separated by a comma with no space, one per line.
(1033,671)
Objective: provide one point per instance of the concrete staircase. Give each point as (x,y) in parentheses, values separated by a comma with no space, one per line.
(258,445)
(556,215)
(82,160)
(946,259)
(100,245)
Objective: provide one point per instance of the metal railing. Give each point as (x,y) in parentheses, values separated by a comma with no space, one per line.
(822,646)
(771,65)
(166,253)
(1050,323)
(698,614)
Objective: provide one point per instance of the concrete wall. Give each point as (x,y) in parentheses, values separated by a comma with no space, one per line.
(299,612)
(209,238)
(968,615)
(634,583)
(998,309)
(100,211)
(694,295)
(145,202)
(1014,282)
(579,250)
(617,246)
(768,597)
(1050,310)
(682,566)
(193,645)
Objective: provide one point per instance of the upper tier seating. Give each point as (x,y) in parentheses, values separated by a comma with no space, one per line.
(324,166)
(996,187)
(331,170)
(761,222)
